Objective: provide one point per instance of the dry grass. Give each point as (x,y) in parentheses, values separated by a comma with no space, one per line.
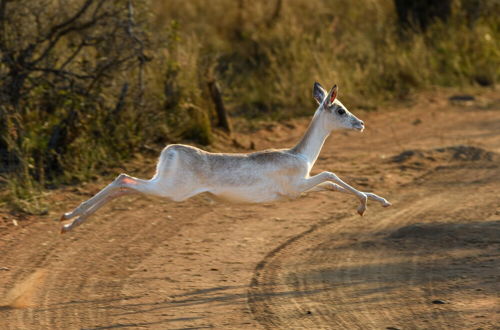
(266,59)
(267,68)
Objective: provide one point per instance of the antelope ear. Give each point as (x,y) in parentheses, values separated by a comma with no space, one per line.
(319,92)
(332,95)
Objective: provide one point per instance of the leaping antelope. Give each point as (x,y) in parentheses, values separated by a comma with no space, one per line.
(260,177)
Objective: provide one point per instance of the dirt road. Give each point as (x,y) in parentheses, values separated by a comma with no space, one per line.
(429,262)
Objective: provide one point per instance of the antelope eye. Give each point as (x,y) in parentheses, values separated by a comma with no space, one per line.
(341,111)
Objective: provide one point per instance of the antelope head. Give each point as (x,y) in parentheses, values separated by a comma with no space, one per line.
(334,114)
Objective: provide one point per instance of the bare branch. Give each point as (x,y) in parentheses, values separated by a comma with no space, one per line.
(73,56)
(62,33)
(103,69)
(71,20)
(121,100)
(276,14)
(142,58)
(62,73)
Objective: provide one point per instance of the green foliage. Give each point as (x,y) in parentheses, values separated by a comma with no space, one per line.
(24,196)
(149,74)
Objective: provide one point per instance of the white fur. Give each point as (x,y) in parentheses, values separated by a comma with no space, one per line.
(184,171)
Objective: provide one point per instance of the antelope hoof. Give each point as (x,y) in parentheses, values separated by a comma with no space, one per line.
(361,210)
(65,228)
(65,216)
(386,203)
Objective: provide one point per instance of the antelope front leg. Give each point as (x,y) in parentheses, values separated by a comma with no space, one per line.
(329,176)
(335,187)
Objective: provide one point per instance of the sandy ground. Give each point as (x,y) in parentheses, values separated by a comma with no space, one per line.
(429,262)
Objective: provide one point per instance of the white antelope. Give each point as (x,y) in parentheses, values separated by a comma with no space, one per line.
(260,177)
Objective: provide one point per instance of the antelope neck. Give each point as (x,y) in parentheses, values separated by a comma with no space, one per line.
(311,143)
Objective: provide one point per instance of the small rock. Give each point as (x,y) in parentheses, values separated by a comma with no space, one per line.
(462,98)
(309,312)
(438,302)
(237,144)
(214,269)
(5,268)
(392,328)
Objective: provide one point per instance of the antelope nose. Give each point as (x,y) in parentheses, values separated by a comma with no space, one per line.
(360,125)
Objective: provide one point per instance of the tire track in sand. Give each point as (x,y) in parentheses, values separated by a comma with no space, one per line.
(386,270)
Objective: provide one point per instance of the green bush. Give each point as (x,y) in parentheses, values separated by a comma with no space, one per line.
(112,80)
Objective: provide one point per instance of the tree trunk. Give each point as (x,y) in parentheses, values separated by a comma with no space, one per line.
(223,120)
